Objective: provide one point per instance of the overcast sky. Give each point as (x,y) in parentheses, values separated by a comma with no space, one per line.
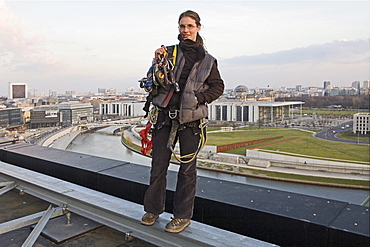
(86,45)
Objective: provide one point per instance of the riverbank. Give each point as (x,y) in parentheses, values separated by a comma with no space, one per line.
(232,164)
(62,139)
(131,140)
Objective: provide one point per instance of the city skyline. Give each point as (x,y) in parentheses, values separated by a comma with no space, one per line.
(82,46)
(356,88)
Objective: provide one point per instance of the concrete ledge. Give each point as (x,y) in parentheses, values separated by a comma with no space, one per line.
(259,163)
(303,163)
(135,133)
(227,158)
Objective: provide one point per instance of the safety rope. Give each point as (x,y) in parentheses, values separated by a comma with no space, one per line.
(161,74)
(203,138)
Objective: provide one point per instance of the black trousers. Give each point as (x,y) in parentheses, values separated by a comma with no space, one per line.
(155,196)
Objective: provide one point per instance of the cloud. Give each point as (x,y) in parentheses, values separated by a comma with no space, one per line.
(21,51)
(336,52)
(340,62)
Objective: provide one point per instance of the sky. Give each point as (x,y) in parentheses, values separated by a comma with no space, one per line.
(85,45)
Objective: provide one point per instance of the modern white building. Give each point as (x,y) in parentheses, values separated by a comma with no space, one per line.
(361,123)
(122,108)
(263,112)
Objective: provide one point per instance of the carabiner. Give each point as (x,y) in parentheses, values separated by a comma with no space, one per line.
(173,114)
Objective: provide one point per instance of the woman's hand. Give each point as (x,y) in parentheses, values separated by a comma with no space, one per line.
(160,51)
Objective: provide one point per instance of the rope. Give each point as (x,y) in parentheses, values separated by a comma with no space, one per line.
(146,144)
(202,142)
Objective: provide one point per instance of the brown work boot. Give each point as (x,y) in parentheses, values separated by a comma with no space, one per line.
(148,219)
(177,225)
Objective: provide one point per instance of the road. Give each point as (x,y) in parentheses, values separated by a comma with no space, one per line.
(331,134)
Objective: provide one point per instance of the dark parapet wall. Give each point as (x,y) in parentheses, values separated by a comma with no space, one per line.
(274,216)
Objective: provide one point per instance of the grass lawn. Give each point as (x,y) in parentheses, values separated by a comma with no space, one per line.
(213,128)
(349,135)
(240,135)
(244,170)
(129,143)
(306,144)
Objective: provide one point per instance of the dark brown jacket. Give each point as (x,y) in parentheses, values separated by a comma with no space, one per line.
(202,86)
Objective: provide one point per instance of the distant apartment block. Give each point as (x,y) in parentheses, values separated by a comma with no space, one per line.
(76,113)
(45,116)
(17,90)
(361,123)
(11,117)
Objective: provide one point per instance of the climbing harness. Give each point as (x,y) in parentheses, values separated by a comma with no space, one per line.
(153,115)
(172,114)
(161,75)
(172,138)
(147,144)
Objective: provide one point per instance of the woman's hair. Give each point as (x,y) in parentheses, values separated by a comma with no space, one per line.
(193,15)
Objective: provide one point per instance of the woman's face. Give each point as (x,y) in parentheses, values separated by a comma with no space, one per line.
(188,28)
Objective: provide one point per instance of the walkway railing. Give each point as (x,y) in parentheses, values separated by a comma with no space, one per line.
(116,213)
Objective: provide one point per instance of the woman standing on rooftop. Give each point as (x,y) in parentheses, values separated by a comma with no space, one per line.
(200,83)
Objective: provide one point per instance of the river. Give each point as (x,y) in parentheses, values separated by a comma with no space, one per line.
(109,146)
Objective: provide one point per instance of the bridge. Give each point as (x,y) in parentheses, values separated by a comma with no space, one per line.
(104,190)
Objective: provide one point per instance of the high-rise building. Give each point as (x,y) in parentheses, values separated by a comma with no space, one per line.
(356,85)
(112,91)
(71,93)
(365,84)
(101,90)
(326,84)
(17,90)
